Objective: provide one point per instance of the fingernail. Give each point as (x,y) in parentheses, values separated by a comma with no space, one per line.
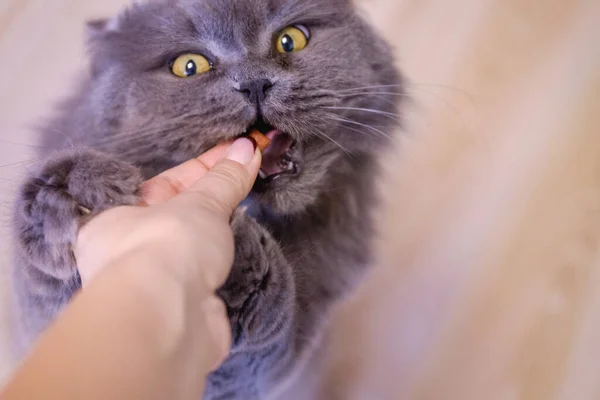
(241,151)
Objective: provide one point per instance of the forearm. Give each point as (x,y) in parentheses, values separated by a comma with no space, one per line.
(147,324)
(136,332)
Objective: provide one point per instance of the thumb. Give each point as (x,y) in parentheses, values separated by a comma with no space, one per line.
(224,187)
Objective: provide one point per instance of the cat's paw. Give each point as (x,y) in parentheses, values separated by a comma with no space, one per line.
(259,292)
(54,201)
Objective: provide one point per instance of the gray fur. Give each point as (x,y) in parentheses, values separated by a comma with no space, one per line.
(304,240)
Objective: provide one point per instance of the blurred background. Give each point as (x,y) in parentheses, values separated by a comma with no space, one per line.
(487,285)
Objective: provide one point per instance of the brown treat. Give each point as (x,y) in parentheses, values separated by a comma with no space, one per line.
(261,140)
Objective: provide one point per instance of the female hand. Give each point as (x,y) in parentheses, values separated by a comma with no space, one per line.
(184,220)
(147,324)
(185,209)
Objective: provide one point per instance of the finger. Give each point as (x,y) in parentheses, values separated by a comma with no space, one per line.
(228,182)
(170,183)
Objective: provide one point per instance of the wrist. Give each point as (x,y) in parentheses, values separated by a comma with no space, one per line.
(184,318)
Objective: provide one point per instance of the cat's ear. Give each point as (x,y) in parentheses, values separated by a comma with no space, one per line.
(99,27)
(98,39)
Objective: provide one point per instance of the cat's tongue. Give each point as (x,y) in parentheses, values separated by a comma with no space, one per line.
(276,158)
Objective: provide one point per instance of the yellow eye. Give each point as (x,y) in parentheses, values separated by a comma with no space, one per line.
(292,39)
(187,65)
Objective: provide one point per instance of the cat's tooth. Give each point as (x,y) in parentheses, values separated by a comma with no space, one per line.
(262,174)
(290,166)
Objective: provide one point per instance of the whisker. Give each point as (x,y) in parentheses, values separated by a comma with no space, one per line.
(23,144)
(129,137)
(363,132)
(452,88)
(376,94)
(409,84)
(351,121)
(357,130)
(139,132)
(392,116)
(323,135)
(448,104)
(174,121)
(70,141)
(371,87)
(19,163)
(140,135)
(436,95)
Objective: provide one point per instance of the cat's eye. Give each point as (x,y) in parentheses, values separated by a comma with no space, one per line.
(190,64)
(292,39)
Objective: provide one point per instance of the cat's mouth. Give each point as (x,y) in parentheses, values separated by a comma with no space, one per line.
(280,158)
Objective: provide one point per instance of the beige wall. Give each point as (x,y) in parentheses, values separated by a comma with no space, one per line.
(490,284)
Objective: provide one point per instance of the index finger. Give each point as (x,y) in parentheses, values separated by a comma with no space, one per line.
(174,181)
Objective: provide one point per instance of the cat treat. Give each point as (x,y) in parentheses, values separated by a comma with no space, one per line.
(261,140)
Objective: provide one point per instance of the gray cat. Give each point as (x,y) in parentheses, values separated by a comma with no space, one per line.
(169,79)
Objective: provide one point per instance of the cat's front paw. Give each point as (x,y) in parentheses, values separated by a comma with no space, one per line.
(54,201)
(259,292)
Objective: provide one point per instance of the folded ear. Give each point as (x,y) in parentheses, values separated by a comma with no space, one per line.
(108,39)
(98,37)
(98,27)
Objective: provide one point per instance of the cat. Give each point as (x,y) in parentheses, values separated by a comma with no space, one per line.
(169,79)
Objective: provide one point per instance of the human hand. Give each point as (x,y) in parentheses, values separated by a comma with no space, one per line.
(185,222)
(200,195)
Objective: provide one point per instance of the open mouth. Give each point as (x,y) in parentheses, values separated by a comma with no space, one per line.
(279,158)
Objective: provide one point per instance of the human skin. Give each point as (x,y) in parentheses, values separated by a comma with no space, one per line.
(148,324)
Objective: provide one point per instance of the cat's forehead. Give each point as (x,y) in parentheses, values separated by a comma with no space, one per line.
(246,17)
(251,10)
(232,26)
(148,32)
(227,21)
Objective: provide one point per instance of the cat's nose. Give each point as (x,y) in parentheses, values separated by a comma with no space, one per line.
(256,90)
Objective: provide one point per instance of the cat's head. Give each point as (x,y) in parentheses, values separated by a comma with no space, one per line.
(175,77)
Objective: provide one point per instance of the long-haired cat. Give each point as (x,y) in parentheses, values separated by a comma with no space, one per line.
(168,80)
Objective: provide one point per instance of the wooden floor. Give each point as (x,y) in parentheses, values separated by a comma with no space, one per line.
(490,280)
(492,230)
